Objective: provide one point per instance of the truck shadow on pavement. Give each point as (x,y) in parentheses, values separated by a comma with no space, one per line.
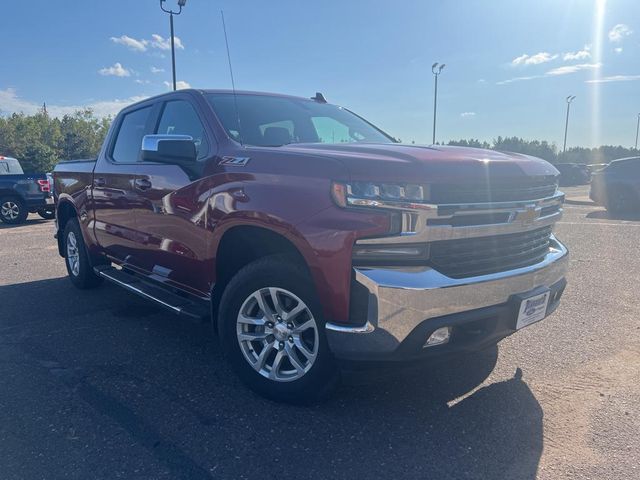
(162,385)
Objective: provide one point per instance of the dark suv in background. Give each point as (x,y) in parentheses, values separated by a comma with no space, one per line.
(23,193)
(617,186)
(573,174)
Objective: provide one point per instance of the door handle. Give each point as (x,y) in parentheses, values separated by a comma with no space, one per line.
(142,184)
(99,182)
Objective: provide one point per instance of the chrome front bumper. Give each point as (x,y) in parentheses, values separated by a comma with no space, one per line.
(402,299)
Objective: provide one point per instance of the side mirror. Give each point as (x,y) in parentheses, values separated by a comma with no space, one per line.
(176,149)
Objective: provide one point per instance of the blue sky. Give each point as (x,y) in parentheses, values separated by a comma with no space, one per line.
(509,63)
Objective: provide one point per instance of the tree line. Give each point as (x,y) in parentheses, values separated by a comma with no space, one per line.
(40,141)
(549,151)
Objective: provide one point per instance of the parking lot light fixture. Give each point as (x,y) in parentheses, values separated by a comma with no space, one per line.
(570,99)
(437,70)
(181,3)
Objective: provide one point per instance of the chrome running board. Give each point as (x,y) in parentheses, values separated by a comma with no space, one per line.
(178,304)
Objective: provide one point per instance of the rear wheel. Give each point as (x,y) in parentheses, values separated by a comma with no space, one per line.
(621,200)
(47,214)
(13,210)
(272,331)
(77,261)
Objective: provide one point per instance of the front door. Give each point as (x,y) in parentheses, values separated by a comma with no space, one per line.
(172,214)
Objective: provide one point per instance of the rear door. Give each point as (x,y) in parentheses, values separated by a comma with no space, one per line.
(171,213)
(115,199)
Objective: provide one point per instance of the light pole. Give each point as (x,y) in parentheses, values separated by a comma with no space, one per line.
(637,130)
(437,70)
(171,13)
(570,99)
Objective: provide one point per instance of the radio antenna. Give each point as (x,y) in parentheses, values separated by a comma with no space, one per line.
(233,83)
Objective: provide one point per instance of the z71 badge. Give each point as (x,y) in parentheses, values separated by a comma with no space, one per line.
(234,161)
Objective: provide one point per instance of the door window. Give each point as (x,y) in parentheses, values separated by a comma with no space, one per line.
(129,140)
(180,118)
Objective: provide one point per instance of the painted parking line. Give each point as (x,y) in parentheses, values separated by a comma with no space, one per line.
(606,224)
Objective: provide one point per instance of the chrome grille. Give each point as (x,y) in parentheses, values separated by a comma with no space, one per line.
(520,189)
(484,255)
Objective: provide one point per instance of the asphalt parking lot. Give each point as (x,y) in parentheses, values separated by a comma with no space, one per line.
(100,384)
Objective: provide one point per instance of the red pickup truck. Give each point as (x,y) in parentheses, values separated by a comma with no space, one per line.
(307,235)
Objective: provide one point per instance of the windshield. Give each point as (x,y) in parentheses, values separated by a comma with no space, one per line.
(270,121)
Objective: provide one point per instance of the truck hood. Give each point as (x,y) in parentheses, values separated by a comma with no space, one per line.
(429,164)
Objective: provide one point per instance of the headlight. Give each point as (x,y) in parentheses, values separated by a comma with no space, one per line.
(370,194)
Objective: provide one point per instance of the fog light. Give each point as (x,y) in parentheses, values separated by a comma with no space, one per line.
(438,337)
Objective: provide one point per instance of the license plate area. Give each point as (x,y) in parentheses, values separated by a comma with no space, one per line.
(532,309)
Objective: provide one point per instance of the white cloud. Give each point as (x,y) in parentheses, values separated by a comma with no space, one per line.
(538,58)
(517,79)
(614,78)
(545,57)
(142,45)
(554,72)
(180,84)
(579,55)
(157,41)
(157,70)
(131,43)
(10,102)
(567,69)
(617,33)
(519,60)
(468,114)
(116,70)
(142,82)
(618,49)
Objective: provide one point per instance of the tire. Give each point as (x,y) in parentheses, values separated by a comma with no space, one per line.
(621,200)
(76,258)
(47,214)
(283,361)
(13,211)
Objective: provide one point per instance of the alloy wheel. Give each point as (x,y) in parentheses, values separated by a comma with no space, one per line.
(10,210)
(73,256)
(278,334)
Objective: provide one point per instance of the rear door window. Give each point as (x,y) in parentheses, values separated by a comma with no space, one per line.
(128,143)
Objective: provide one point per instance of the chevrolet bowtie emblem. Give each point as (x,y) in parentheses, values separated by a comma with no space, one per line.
(528,215)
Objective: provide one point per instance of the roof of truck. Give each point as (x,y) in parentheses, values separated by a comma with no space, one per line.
(230,92)
(249,92)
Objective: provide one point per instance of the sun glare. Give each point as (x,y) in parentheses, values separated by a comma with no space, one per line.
(598,34)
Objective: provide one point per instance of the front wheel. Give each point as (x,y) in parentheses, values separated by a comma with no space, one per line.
(272,331)
(13,211)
